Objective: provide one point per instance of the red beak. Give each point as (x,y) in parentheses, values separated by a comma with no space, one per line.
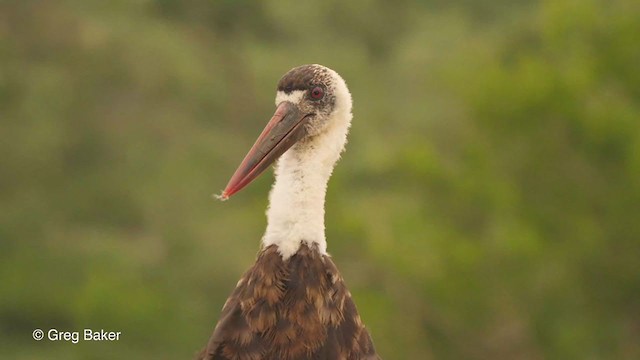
(284,129)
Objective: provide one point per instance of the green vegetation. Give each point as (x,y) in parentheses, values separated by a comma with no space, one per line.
(487,207)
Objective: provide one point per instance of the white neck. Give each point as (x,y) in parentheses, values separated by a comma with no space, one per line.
(296,201)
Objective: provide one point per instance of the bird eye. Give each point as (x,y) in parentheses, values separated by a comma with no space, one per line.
(317,93)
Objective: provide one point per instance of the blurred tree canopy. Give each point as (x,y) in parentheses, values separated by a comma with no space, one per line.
(487,206)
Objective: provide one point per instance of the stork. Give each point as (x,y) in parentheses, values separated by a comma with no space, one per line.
(293,303)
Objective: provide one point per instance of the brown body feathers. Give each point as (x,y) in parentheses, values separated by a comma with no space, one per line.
(297,308)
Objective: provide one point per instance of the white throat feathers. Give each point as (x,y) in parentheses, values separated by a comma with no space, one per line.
(296,201)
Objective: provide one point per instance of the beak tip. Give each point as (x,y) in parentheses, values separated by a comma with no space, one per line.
(222,197)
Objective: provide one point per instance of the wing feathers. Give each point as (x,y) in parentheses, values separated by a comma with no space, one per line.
(294,309)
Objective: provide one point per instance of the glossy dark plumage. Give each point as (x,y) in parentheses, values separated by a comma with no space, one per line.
(297,308)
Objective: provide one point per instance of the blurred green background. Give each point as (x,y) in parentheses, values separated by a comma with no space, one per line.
(487,207)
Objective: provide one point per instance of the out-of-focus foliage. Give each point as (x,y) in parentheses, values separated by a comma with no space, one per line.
(488,205)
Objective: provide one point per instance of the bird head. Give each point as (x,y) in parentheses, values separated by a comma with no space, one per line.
(310,100)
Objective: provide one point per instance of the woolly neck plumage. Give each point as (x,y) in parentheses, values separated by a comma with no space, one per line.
(296,201)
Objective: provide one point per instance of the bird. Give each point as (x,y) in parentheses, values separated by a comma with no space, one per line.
(293,303)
